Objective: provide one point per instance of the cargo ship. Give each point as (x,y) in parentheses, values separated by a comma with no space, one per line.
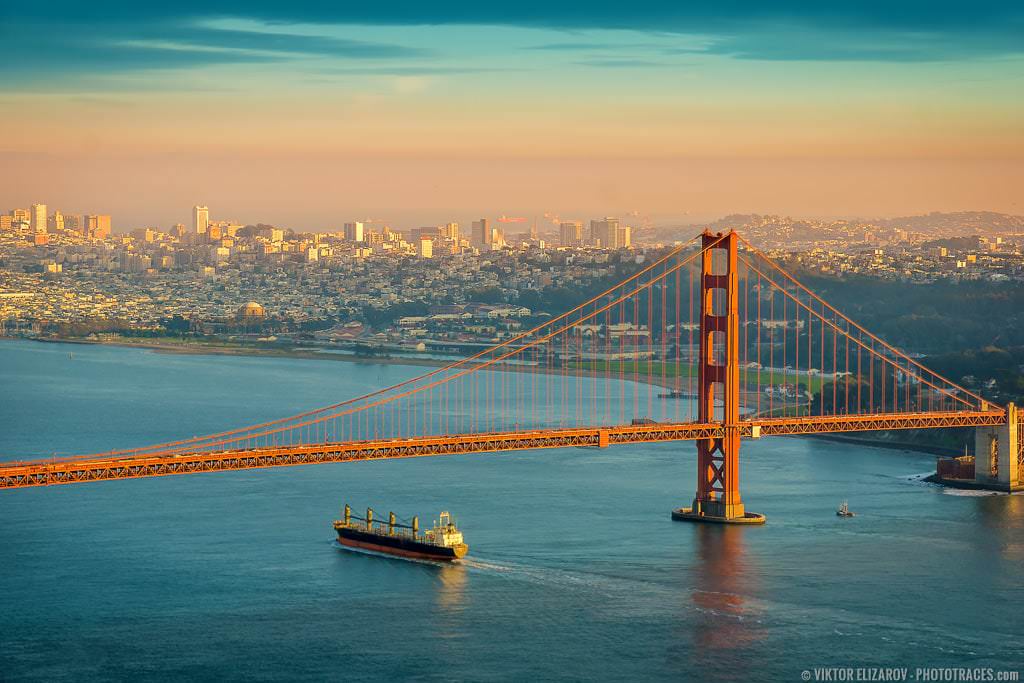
(443,542)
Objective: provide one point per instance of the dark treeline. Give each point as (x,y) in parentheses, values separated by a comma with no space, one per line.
(934,318)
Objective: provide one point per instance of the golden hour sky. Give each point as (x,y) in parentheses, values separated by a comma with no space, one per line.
(307,117)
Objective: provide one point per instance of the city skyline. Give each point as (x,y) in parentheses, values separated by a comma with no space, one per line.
(302,112)
(551,224)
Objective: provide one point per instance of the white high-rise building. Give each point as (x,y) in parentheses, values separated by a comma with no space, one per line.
(426,247)
(200,219)
(354,232)
(38,217)
(497,238)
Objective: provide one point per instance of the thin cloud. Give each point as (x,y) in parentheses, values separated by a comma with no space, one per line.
(284,43)
(64,52)
(581,47)
(612,63)
(839,30)
(398,70)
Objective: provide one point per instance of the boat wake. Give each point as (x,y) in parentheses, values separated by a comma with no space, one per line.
(972,493)
(485,566)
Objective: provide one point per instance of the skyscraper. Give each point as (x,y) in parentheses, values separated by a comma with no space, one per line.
(97,227)
(609,234)
(571,233)
(450,232)
(481,237)
(603,232)
(57,221)
(200,219)
(624,237)
(354,232)
(39,217)
(103,227)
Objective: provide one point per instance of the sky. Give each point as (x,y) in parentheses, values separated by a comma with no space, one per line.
(310,114)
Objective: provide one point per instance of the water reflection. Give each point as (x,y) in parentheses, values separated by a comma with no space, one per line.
(1003,519)
(452,588)
(1001,511)
(727,623)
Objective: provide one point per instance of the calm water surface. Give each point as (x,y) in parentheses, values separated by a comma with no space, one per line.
(575,569)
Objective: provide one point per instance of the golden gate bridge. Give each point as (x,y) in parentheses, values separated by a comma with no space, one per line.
(713,342)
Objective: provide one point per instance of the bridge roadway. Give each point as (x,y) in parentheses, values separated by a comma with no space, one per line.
(98,468)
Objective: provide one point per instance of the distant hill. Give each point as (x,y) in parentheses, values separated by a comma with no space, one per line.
(968,222)
(942,225)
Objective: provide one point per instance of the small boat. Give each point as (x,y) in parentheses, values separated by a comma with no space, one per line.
(675,393)
(443,542)
(844,511)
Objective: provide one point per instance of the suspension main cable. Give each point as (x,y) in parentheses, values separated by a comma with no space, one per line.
(197,440)
(870,351)
(211,441)
(881,341)
(494,360)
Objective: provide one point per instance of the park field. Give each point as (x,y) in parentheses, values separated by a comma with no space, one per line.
(749,377)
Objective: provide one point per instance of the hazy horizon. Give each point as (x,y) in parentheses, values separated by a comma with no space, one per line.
(566,190)
(308,116)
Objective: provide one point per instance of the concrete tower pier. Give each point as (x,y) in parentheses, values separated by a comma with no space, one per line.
(998,455)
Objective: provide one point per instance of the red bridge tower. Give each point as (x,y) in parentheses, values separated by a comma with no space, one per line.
(718,373)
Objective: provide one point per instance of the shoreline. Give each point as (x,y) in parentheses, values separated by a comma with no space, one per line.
(938,451)
(237,350)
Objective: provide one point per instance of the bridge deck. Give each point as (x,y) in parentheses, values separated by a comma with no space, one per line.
(69,471)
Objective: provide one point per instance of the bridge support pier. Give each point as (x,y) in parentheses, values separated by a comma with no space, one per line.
(998,454)
(718,459)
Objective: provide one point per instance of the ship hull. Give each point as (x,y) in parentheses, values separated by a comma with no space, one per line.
(399,546)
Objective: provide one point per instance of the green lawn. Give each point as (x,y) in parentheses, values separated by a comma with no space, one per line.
(671,370)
